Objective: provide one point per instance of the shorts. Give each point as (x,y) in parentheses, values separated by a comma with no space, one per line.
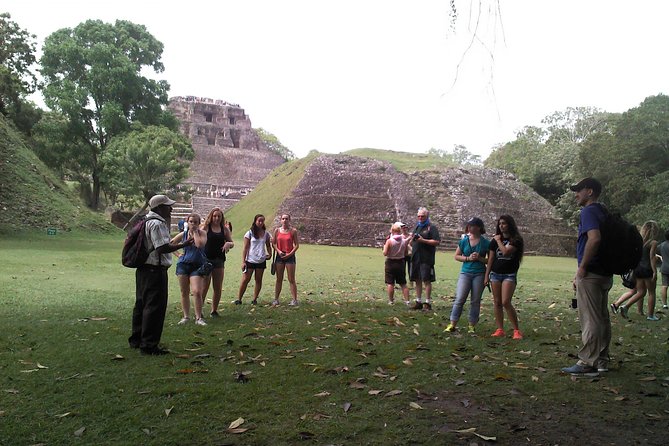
(665,279)
(498,277)
(422,272)
(643,273)
(286,260)
(261,265)
(193,269)
(217,263)
(394,272)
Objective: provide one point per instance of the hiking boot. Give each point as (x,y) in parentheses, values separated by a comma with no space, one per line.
(623,311)
(614,308)
(427,306)
(417,306)
(581,370)
(517,335)
(450,328)
(499,333)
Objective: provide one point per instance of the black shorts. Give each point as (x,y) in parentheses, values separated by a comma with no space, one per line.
(261,265)
(218,263)
(643,273)
(422,272)
(394,272)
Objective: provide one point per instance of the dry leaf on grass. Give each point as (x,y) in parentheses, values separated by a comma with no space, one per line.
(375,392)
(346,407)
(63,415)
(115,358)
(415,406)
(238,430)
(235,424)
(648,378)
(393,393)
(168,411)
(322,394)
(79,432)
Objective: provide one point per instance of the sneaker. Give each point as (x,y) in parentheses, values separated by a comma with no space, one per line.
(623,311)
(471,329)
(275,303)
(293,303)
(427,306)
(391,302)
(665,307)
(417,306)
(183,320)
(214,314)
(652,318)
(237,302)
(200,322)
(614,308)
(450,328)
(602,368)
(254,302)
(517,335)
(581,370)
(407,303)
(499,333)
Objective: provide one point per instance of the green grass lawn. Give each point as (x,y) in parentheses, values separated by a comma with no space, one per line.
(343,368)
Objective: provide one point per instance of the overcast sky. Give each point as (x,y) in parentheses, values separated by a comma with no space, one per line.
(344,74)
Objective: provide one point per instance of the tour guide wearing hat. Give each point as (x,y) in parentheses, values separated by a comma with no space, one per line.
(148,315)
(592,284)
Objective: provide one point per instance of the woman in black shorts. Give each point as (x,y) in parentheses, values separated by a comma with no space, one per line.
(219,242)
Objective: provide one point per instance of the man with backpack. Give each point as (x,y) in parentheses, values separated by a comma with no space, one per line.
(148,314)
(592,283)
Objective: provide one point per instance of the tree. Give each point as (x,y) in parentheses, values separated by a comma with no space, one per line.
(273,143)
(93,77)
(145,161)
(459,156)
(17,55)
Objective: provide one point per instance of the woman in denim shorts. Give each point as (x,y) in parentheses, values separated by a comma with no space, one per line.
(193,267)
(506,252)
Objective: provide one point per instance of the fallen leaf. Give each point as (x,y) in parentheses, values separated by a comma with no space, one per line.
(375,392)
(116,358)
(98,318)
(322,394)
(620,398)
(415,406)
(357,385)
(168,411)
(63,415)
(40,366)
(486,438)
(552,305)
(535,378)
(393,393)
(319,416)
(146,431)
(648,378)
(185,371)
(471,430)
(407,361)
(460,382)
(79,432)
(347,407)
(235,424)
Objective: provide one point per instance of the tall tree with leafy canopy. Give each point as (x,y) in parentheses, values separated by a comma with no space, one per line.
(17,80)
(145,161)
(93,76)
(274,144)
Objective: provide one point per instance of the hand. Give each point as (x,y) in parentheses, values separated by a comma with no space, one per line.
(474,256)
(268,256)
(498,238)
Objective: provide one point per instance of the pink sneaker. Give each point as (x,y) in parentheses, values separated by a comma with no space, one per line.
(517,334)
(499,333)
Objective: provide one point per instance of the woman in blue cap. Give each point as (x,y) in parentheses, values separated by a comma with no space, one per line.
(472,251)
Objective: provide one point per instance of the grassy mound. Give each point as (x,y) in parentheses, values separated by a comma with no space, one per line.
(403,161)
(32,197)
(268,195)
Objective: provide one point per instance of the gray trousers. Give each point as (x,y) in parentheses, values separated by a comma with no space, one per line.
(592,293)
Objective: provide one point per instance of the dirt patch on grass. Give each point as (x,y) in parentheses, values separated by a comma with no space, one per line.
(517,418)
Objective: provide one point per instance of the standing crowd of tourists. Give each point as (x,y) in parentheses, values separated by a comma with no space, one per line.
(409,254)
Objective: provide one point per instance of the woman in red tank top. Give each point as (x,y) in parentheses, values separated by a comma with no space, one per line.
(285,243)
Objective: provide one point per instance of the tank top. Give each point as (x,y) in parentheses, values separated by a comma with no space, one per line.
(215,241)
(398,246)
(192,254)
(284,241)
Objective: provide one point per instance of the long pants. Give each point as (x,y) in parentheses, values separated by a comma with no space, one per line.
(592,294)
(468,282)
(148,315)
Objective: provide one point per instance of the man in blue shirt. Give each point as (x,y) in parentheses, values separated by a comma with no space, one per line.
(592,284)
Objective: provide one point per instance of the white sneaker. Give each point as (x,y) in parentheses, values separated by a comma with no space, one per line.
(183,320)
(275,303)
(293,303)
(200,322)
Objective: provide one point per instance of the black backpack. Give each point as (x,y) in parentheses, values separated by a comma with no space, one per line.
(621,246)
(134,252)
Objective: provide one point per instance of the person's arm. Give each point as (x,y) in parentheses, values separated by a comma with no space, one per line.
(653,259)
(507,249)
(200,238)
(229,244)
(268,245)
(274,246)
(386,247)
(459,256)
(591,248)
(488,267)
(245,251)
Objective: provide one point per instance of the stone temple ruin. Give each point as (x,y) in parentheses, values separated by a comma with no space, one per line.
(230,158)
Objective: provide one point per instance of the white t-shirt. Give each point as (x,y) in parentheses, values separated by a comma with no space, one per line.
(257,252)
